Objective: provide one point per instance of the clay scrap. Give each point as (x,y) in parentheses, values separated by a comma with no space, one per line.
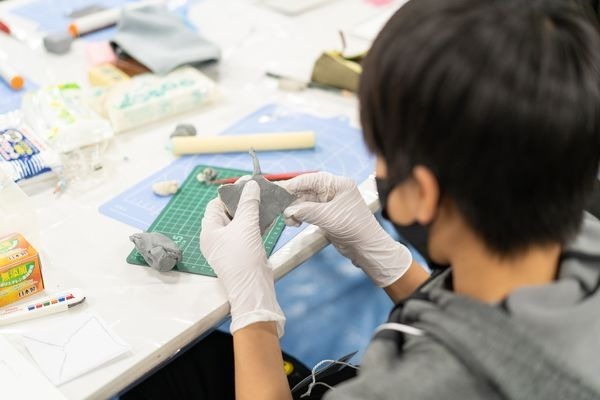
(159,251)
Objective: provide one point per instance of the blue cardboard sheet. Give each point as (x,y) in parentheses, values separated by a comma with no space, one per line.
(53,15)
(10,100)
(339,150)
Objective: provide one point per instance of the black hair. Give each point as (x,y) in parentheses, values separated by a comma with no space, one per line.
(501,101)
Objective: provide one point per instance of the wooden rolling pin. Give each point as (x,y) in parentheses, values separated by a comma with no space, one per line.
(182,145)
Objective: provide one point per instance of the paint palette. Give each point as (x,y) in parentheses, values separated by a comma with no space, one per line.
(180,220)
(43,306)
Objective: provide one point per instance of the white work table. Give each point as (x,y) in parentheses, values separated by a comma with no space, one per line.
(159,313)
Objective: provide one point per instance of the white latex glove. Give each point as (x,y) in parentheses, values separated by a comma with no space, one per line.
(234,249)
(335,205)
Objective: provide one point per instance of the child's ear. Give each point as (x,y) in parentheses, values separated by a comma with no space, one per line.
(428,191)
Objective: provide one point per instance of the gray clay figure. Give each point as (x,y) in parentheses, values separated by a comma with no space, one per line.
(159,251)
(273,198)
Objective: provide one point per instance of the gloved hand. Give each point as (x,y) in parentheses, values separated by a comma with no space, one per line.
(234,249)
(335,205)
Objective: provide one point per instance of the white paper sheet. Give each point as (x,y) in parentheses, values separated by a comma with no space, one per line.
(77,345)
(19,378)
(370,28)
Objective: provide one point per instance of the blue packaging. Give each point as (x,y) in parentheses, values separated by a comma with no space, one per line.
(24,157)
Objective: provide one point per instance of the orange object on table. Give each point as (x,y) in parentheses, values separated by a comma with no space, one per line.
(20,269)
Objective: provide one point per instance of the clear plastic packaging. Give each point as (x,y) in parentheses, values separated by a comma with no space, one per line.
(63,117)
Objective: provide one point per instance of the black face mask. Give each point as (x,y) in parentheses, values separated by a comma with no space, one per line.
(416,234)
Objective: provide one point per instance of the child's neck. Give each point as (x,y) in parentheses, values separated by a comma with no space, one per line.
(479,274)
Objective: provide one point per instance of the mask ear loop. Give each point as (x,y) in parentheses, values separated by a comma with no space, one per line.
(314,378)
(407,329)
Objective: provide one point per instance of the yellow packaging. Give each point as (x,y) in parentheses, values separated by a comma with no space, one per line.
(20,269)
(106,75)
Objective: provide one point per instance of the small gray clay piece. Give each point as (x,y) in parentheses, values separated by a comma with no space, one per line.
(159,251)
(184,130)
(58,42)
(273,198)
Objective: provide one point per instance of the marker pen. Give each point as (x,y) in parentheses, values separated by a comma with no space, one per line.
(5,28)
(8,74)
(18,34)
(102,19)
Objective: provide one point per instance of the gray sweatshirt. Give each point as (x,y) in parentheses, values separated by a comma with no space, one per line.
(541,343)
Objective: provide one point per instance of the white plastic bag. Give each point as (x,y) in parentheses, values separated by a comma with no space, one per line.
(63,117)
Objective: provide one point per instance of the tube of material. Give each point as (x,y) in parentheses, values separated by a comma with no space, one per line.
(105,18)
(182,145)
(13,79)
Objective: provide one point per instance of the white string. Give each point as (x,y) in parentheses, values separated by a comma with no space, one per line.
(314,377)
(312,385)
(394,326)
(409,330)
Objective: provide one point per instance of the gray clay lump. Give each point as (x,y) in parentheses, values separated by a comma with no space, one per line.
(159,251)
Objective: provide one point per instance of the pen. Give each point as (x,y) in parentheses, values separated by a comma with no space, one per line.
(20,36)
(4,28)
(105,18)
(52,304)
(270,177)
(14,80)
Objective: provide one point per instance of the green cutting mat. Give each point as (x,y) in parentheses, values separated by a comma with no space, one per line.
(181,217)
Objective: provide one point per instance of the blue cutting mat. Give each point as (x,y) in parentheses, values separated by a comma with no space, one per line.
(10,100)
(340,150)
(52,15)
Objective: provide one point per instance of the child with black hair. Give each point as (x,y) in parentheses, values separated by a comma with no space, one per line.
(485,120)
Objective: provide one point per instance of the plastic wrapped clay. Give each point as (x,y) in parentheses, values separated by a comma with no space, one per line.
(165,188)
(159,251)
(149,98)
(273,198)
(184,130)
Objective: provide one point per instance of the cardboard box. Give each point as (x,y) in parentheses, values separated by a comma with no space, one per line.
(20,269)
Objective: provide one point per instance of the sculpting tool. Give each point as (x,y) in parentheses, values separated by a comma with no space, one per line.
(270,177)
(52,304)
